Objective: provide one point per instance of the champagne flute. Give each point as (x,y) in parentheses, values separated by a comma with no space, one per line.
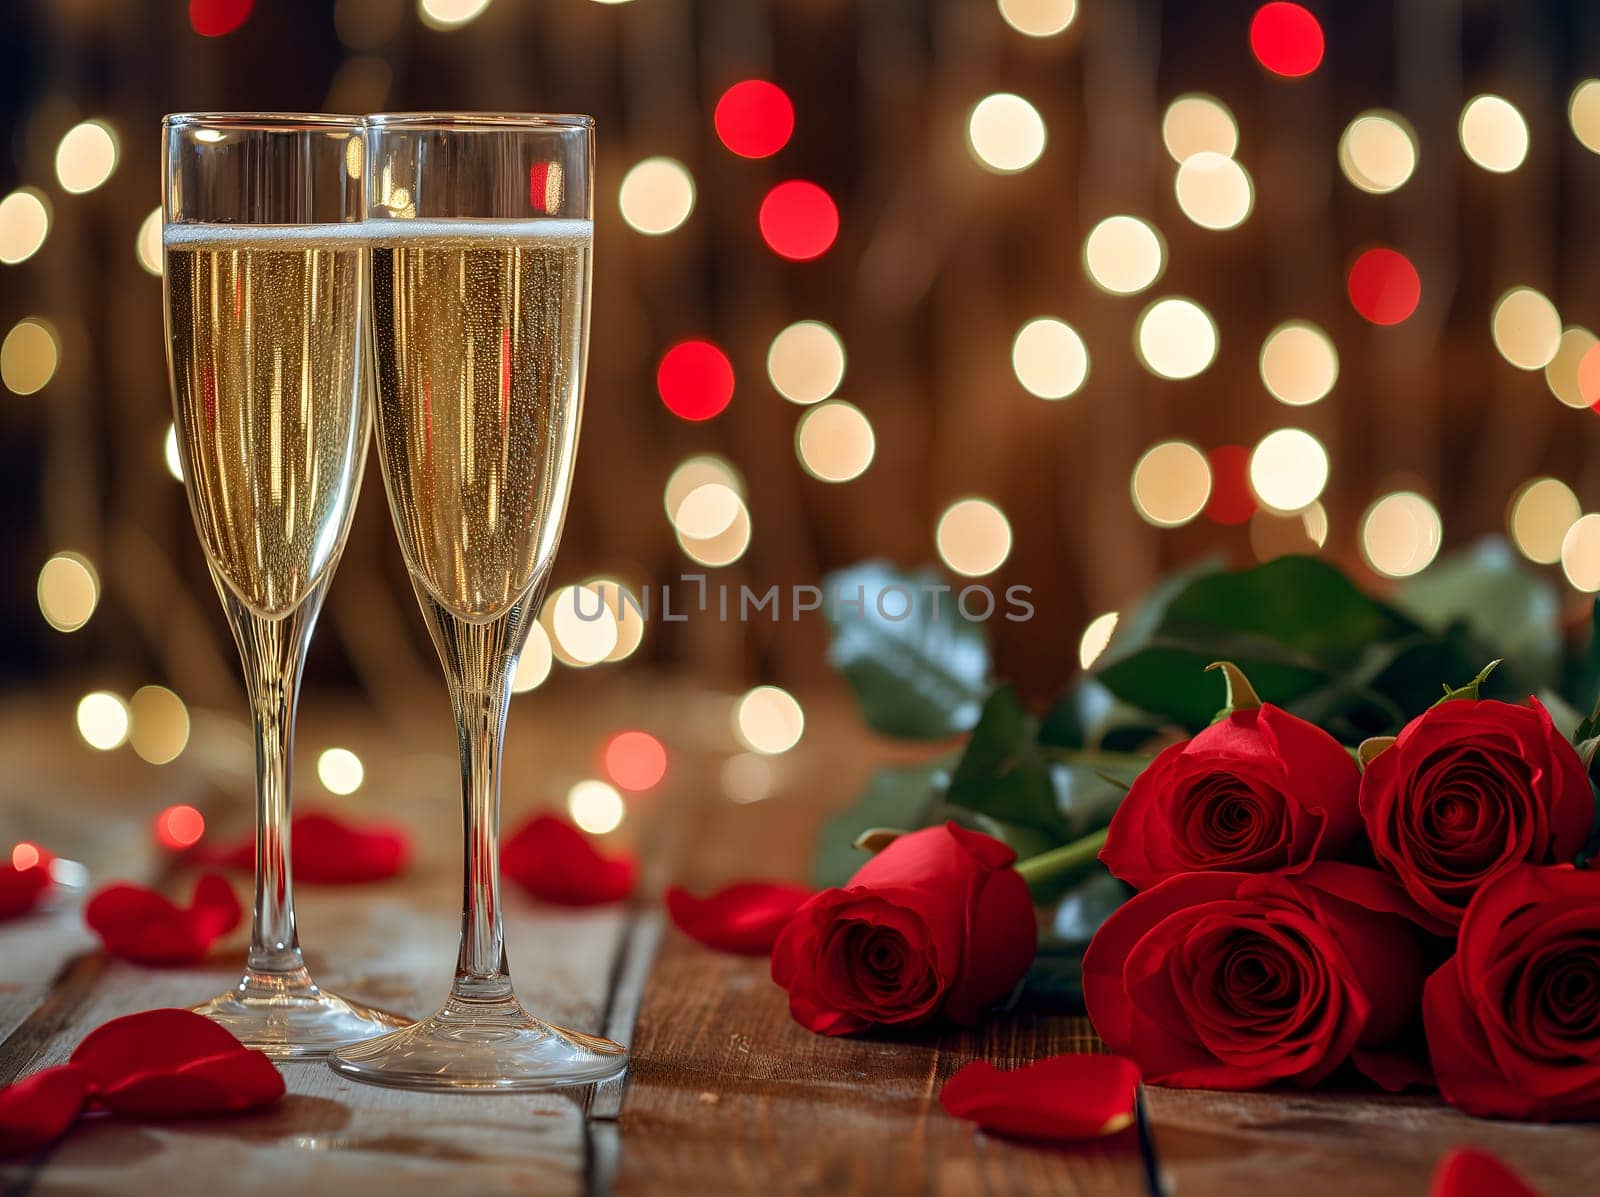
(265,295)
(479,229)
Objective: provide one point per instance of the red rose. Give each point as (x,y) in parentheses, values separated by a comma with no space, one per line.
(937,923)
(1513,1018)
(1470,789)
(1259,791)
(1239,980)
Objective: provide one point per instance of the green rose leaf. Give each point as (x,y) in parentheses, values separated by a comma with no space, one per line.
(1002,774)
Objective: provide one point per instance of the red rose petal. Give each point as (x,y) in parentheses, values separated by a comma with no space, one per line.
(174,1063)
(1078,1096)
(141,925)
(555,862)
(744,918)
(38,1109)
(22,887)
(1472,1172)
(328,850)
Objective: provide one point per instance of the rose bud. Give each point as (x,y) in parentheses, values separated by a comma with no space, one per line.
(1242,980)
(1513,1018)
(1259,790)
(937,924)
(1469,789)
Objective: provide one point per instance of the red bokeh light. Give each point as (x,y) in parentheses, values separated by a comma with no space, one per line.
(1232,501)
(213,18)
(695,379)
(635,760)
(1286,39)
(799,220)
(754,118)
(1384,286)
(25,856)
(179,827)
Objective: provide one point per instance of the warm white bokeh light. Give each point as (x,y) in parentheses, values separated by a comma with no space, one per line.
(596,806)
(29,356)
(973,537)
(102,720)
(626,609)
(1562,375)
(450,14)
(806,362)
(694,472)
(1493,133)
(86,156)
(583,626)
(171,455)
(1583,110)
(1095,638)
(68,590)
(1038,18)
(1580,554)
(1198,124)
(1400,534)
(1538,517)
(147,242)
(1526,328)
(656,196)
(1176,338)
(835,441)
(1299,364)
(747,777)
(723,549)
(708,510)
(1049,358)
(533,667)
(1288,469)
(768,720)
(1378,151)
(160,724)
(1005,133)
(1213,190)
(1123,255)
(24,224)
(340,771)
(1171,483)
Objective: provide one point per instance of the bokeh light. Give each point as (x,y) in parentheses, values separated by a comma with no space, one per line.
(179,827)
(86,156)
(1005,133)
(1378,151)
(754,118)
(582,625)
(24,224)
(798,220)
(25,856)
(1384,286)
(1176,338)
(1171,484)
(160,724)
(1049,358)
(695,380)
(533,667)
(1538,516)
(450,14)
(973,537)
(102,720)
(1526,328)
(723,549)
(1583,110)
(147,242)
(1286,39)
(68,591)
(215,18)
(806,362)
(1400,534)
(656,196)
(693,473)
(1580,554)
(835,441)
(171,455)
(1288,469)
(635,760)
(1232,501)
(747,777)
(1493,133)
(1299,364)
(340,771)
(1038,18)
(1196,123)
(1564,373)
(595,806)
(1123,255)
(1214,191)
(626,609)
(768,720)
(1095,638)
(29,357)
(710,509)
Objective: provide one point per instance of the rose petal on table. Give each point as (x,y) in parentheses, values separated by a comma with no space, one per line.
(1473,1172)
(555,862)
(744,917)
(331,851)
(144,926)
(38,1109)
(21,889)
(1075,1096)
(171,1064)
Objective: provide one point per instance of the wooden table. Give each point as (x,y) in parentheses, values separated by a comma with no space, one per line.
(726,1095)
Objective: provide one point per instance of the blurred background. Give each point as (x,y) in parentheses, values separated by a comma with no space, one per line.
(1053,293)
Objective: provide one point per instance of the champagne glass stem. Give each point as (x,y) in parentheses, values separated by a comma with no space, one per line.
(480,726)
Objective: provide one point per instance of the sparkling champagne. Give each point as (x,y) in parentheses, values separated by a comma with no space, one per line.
(479,329)
(264,325)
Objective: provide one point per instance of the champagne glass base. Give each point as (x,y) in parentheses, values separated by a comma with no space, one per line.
(493,1046)
(296,1022)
